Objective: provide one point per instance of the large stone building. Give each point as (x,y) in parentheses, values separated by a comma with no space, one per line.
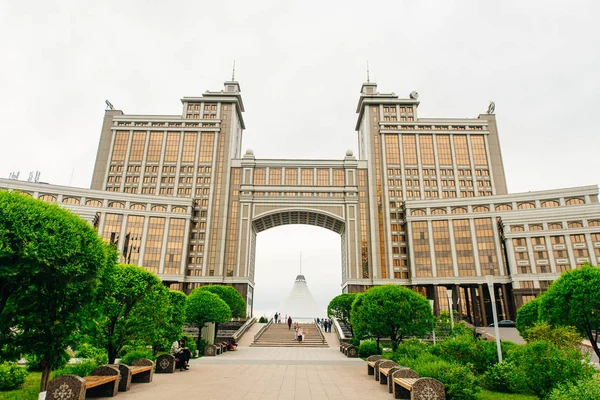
(424,204)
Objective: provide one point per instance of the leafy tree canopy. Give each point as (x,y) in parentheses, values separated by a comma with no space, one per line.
(340,307)
(392,311)
(50,260)
(177,301)
(134,306)
(230,296)
(527,316)
(203,307)
(574,299)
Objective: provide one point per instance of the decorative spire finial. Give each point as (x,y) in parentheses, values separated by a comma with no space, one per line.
(300,263)
(233,72)
(368,77)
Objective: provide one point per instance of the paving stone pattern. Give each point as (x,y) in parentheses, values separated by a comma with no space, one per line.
(266,373)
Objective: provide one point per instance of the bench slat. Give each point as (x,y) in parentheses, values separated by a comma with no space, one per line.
(140,368)
(406,382)
(385,370)
(371,363)
(96,380)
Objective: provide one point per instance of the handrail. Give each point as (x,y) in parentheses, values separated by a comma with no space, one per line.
(263,329)
(339,330)
(243,329)
(319,329)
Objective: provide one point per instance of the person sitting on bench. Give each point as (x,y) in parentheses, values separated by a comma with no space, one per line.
(182,353)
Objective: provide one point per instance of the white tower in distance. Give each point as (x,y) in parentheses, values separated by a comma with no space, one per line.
(300,303)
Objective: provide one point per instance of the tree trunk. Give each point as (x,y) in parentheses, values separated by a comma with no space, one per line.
(45,375)
(378,352)
(394,342)
(198,341)
(112,354)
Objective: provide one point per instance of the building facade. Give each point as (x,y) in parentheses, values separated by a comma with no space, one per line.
(424,203)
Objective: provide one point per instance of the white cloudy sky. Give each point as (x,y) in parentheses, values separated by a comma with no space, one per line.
(300,65)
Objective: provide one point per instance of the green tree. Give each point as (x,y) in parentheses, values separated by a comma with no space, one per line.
(340,307)
(203,307)
(393,311)
(574,300)
(527,316)
(134,307)
(229,295)
(50,260)
(177,301)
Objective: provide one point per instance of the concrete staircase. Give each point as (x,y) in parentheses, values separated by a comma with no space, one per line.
(278,335)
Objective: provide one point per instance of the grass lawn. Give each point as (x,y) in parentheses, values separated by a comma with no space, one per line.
(487,395)
(29,390)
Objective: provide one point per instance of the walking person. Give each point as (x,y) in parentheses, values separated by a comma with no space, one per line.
(289,322)
(300,334)
(279,318)
(296,331)
(275,318)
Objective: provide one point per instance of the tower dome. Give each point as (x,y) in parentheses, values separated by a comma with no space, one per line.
(300,303)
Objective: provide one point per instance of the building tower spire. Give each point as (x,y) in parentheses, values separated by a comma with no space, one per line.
(300,263)
(368,77)
(233,72)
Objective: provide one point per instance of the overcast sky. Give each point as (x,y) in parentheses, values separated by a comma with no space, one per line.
(300,66)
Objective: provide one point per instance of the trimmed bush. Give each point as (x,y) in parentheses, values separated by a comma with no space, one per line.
(498,377)
(263,320)
(82,369)
(459,381)
(11,376)
(136,354)
(201,347)
(588,389)
(411,348)
(86,350)
(191,344)
(539,367)
(368,348)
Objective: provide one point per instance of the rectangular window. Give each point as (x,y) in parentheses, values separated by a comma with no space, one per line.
(464,247)
(409,149)
(322,177)
(444,150)
(189,147)
(392,150)
(461,150)
(422,252)
(291,177)
(207,142)
(426,145)
(137,147)
(260,175)
(154,239)
(172,147)
(307,176)
(120,146)
(478,147)
(274,176)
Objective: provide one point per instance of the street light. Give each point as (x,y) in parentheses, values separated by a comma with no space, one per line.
(449,293)
(490,282)
(431,302)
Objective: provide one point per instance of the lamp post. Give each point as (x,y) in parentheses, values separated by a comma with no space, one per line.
(431,302)
(449,293)
(490,282)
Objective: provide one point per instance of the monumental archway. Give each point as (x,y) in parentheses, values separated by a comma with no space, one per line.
(323,193)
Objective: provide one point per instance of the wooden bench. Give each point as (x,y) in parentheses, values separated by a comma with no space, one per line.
(384,371)
(103,382)
(371,364)
(396,372)
(418,388)
(141,371)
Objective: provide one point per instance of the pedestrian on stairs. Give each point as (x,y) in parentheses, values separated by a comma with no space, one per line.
(289,322)
(275,318)
(296,331)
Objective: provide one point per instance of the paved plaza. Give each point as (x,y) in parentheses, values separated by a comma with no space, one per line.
(266,373)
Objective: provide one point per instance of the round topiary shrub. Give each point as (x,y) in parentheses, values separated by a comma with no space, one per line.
(136,354)
(11,376)
(368,348)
